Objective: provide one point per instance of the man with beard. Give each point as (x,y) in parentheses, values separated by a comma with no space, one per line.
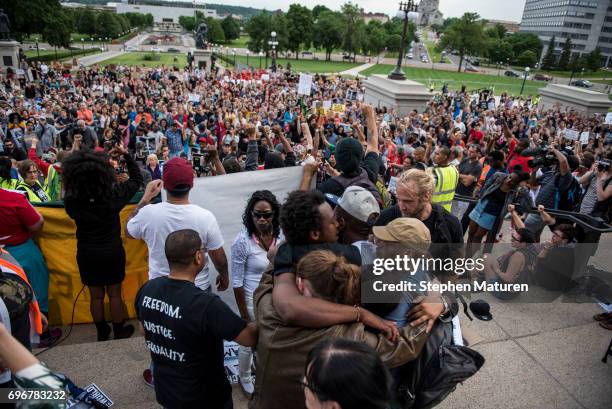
(414,192)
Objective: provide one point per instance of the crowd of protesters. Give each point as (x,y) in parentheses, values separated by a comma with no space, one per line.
(384,183)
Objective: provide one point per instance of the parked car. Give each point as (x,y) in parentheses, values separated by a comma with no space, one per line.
(348,57)
(542,77)
(74,47)
(512,74)
(131,48)
(410,56)
(582,84)
(173,50)
(33,47)
(305,53)
(470,68)
(156,49)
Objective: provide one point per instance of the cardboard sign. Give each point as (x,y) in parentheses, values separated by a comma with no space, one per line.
(338,108)
(194,98)
(305,84)
(265,77)
(327,105)
(584,138)
(572,134)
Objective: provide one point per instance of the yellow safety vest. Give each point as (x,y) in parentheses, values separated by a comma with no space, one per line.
(32,197)
(53,184)
(446,182)
(9,184)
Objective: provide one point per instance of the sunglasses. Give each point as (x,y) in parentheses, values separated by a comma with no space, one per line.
(262,215)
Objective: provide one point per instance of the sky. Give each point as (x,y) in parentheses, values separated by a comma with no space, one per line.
(510,10)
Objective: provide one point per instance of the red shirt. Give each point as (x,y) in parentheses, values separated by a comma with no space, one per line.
(17,214)
(474,134)
(520,160)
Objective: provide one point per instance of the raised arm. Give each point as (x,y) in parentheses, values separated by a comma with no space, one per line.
(370,119)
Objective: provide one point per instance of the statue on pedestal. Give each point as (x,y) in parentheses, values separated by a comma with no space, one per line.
(200,37)
(4,26)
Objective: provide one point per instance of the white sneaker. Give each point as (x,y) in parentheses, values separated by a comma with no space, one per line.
(247,386)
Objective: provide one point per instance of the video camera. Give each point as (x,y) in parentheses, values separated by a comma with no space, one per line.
(543,156)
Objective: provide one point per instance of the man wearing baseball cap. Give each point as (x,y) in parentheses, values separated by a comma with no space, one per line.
(356,212)
(154,222)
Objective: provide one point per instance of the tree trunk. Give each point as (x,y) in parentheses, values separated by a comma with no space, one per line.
(460,62)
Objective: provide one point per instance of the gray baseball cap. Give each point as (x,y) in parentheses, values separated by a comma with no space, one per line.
(360,203)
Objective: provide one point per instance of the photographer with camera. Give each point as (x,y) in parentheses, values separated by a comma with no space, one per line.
(558,187)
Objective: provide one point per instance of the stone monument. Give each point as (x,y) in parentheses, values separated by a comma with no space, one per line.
(581,100)
(202,56)
(429,13)
(9,48)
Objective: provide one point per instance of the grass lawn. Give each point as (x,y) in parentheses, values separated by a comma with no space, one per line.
(455,80)
(299,65)
(138,59)
(240,42)
(32,53)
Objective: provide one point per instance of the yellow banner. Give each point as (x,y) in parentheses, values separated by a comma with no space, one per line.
(57,242)
(338,108)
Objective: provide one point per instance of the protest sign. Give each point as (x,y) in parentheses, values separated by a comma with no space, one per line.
(305,84)
(609,118)
(584,138)
(338,108)
(571,134)
(230,361)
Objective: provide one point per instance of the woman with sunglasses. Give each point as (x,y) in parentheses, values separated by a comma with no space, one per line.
(249,259)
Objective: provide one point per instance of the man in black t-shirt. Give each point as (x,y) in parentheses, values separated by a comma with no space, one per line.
(184,329)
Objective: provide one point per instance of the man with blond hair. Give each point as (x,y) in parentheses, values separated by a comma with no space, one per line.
(414,192)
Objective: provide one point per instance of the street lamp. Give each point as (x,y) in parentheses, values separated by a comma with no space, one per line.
(407,11)
(83,44)
(247,53)
(525,74)
(260,55)
(106,40)
(273,42)
(37,51)
(234,52)
(499,65)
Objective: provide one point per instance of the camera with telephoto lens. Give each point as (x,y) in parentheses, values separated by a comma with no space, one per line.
(543,156)
(196,163)
(603,165)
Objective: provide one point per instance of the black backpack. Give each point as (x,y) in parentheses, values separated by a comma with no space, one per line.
(570,199)
(362,180)
(428,380)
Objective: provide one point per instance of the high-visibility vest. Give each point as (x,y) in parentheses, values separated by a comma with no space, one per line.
(9,184)
(53,184)
(35,314)
(447,178)
(32,197)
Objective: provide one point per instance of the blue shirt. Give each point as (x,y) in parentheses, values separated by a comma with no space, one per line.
(175,140)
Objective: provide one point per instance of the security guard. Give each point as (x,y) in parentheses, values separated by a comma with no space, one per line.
(446,177)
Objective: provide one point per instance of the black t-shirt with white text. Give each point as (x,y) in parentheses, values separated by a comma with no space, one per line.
(184,331)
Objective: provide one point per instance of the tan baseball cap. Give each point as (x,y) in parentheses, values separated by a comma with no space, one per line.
(407,231)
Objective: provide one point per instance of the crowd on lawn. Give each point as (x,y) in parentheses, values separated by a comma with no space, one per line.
(435,182)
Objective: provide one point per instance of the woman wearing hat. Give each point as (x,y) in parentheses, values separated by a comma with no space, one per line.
(95,209)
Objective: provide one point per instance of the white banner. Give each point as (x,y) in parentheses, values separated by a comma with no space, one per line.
(226,197)
(305,84)
(230,361)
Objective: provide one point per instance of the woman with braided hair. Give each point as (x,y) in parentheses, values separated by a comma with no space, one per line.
(93,199)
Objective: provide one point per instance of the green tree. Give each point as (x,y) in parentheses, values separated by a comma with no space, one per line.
(375,38)
(354,28)
(527,59)
(299,19)
(548,62)
(497,31)
(107,25)
(499,50)
(522,42)
(329,32)
(465,36)
(215,31)
(566,55)
(57,29)
(593,60)
(318,10)
(36,16)
(187,22)
(148,20)
(258,29)
(86,22)
(231,28)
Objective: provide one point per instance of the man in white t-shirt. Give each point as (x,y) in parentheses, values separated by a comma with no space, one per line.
(153,223)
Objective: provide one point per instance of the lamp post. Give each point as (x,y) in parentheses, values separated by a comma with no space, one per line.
(406,9)
(107,44)
(247,53)
(37,51)
(499,65)
(273,42)
(525,74)
(234,52)
(260,55)
(82,44)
